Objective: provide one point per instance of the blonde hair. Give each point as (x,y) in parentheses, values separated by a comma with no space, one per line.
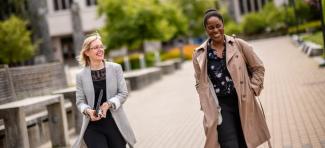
(83,59)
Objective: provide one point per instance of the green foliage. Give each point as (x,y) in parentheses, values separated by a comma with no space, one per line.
(303,10)
(274,17)
(168,55)
(254,23)
(131,22)
(233,28)
(13,7)
(15,42)
(194,12)
(134,60)
(306,26)
(150,59)
(289,15)
(316,37)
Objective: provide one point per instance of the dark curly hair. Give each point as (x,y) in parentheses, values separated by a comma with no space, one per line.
(209,13)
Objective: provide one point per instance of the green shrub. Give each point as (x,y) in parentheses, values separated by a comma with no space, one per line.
(150,59)
(233,28)
(289,15)
(253,23)
(171,54)
(306,26)
(134,60)
(274,17)
(15,43)
(316,37)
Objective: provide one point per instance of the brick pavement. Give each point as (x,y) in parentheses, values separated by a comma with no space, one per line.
(294,95)
(166,114)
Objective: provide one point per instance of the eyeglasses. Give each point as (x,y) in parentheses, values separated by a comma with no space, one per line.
(97,47)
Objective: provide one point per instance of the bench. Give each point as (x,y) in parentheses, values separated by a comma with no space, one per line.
(177,63)
(141,78)
(15,124)
(70,94)
(167,67)
(312,49)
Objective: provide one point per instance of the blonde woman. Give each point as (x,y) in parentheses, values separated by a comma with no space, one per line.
(108,126)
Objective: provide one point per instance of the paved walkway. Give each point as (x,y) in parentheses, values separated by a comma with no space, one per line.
(166,114)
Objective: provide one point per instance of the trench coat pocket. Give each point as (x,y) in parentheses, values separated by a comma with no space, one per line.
(256,90)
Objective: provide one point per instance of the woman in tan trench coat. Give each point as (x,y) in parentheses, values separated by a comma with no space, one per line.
(228,77)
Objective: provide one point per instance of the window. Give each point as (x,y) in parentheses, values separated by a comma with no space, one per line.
(256,5)
(241,7)
(91,2)
(62,4)
(249,6)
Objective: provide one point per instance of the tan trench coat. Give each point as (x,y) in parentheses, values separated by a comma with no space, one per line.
(247,85)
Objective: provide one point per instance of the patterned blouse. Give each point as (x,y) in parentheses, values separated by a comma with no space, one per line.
(218,72)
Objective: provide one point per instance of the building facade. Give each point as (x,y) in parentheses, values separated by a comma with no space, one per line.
(61,25)
(238,8)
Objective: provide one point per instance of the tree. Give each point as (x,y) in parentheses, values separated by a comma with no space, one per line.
(15,42)
(131,22)
(194,12)
(9,7)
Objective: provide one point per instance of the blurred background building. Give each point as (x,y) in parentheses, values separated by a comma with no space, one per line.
(60,22)
(238,8)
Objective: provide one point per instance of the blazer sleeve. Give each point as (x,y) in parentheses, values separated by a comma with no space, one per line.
(122,92)
(81,100)
(254,66)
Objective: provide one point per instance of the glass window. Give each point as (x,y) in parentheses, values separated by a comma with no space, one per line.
(62,4)
(91,2)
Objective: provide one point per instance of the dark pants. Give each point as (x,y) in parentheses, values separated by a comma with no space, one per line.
(104,134)
(230,133)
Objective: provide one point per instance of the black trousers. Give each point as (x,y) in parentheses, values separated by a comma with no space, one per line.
(230,133)
(104,134)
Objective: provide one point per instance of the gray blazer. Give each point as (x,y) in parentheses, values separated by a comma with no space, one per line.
(117,93)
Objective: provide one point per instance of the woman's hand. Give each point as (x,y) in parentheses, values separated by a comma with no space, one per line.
(104,108)
(92,115)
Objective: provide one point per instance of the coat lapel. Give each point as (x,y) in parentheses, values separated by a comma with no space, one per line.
(202,57)
(230,51)
(202,60)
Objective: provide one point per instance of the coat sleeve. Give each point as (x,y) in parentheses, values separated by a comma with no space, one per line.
(254,66)
(81,101)
(196,70)
(122,91)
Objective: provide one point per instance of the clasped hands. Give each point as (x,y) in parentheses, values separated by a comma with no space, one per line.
(102,112)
